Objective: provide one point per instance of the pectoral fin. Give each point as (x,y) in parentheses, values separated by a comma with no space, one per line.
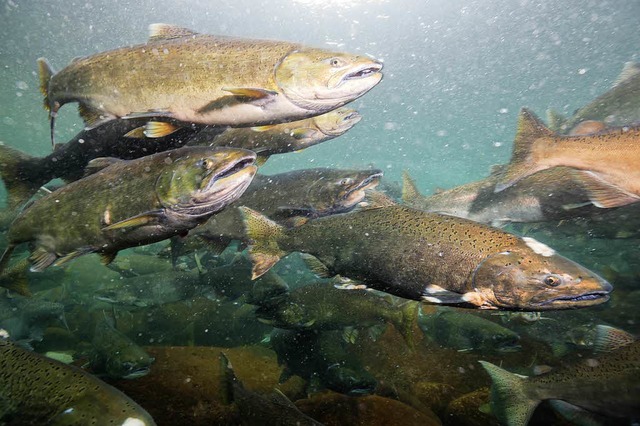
(159,129)
(604,195)
(135,221)
(410,193)
(436,294)
(41,259)
(314,264)
(303,133)
(100,163)
(250,92)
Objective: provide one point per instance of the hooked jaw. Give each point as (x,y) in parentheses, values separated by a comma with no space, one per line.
(356,194)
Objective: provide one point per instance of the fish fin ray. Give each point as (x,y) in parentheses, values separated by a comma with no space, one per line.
(602,194)
(137,133)
(161,31)
(45,73)
(93,117)
(378,200)
(261,159)
(41,259)
(263,234)
(350,335)
(252,93)
(72,255)
(509,402)
(315,265)
(303,133)
(135,221)
(609,339)
(154,113)
(557,122)
(439,295)
(530,128)
(410,193)
(159,129)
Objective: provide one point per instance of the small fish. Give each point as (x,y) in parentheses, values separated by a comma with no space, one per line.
(608,385)
(36,390)
(204,80)
(23,174)
(322,306)
(25,319)
(288,198)
(467,332)
(286,137)
(131,202)
(610,160)
(619,106)
(256,409)
(321,357)
(117,356)
(431,257)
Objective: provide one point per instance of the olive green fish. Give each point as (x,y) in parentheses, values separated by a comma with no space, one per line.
(35,390)
(464,331)
(117,356)
(322,306)
(610,160)
(608,385)
(199,78)
(288,198)
(619,106)
(287,137)
(431,257)
(130,203)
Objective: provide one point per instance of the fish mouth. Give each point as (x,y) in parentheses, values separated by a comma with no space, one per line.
(137,373)
(363,71)
(568,302)
(223,186)
(356,195)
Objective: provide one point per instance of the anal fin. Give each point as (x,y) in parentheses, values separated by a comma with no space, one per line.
(41,259)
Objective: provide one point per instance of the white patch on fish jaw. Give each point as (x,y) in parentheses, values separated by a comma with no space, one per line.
(538,247)
(132,421)
(431,299)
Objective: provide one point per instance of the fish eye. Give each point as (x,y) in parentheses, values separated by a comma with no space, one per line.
(552,280)
(336,62)
(206,163)
(345,181)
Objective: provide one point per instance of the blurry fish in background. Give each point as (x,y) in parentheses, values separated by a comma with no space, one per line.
(609,160)
(287,82)
(619,106)
(465,331)
(36,390)
(608,385)
(131,202)
(430,257)
(25,319)
(117,356)
(322,306)
(23,174)
(287,198)
(321,359)
(286,137)
(256,409)
(549,195)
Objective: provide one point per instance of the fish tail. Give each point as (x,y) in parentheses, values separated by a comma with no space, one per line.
(228,380)
(407,321)
(410,193)
(509,400)
(14,277)
(263,234)
(46,72)
(530,128)
(19,173)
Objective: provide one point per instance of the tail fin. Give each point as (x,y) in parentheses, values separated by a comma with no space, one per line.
(407,321)
(410,193)
(530,128)
(263,234)
(509,400)
(228,380)
(45,72)
(20,185)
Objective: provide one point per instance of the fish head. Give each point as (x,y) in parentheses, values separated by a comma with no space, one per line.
(129,363)
(524,279)
(349,381)
(337,122)
(504,341)
(204,181)
(320,80)
(341,191)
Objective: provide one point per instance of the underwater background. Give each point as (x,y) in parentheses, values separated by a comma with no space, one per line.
(456,74)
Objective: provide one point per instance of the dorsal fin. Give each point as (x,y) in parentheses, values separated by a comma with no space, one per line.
(168,32)
(629,71)
(410,191)
(556,120)
(609,339)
